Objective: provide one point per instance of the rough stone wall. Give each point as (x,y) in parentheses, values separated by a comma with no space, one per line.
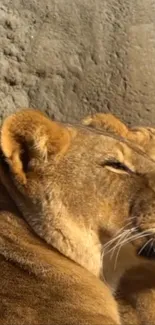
(73,57)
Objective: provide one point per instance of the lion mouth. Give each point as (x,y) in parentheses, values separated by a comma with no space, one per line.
(144,242)
(148,249)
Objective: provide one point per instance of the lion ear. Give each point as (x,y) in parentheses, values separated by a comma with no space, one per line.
(30,134)
(107,122)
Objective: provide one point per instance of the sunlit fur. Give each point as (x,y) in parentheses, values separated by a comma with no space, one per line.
(136,293)
(64,184)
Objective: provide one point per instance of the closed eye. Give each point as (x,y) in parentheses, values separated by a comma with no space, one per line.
(117,165)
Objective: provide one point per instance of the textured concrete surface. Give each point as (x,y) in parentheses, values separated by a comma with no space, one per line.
(73,57)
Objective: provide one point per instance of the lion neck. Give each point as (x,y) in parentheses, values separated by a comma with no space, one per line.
(76,242)
(72,240)
(69,239)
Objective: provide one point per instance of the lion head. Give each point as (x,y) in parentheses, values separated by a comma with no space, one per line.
(78,188)
(136,290)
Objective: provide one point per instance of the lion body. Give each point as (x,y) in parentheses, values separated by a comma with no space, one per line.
(62,201)
(39,285)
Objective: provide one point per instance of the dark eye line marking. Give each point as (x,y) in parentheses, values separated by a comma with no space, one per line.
(117,165)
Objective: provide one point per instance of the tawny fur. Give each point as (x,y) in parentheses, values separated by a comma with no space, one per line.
(136,293)
(142,136)
(60,204)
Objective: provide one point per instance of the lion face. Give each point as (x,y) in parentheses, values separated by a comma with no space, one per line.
(78,187)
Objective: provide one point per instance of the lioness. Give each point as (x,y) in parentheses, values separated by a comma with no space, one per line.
(67,193)
(137,288)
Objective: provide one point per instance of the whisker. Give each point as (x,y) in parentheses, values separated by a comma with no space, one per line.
(117,236)
(123,238)
(119,230)
(123,235)
(148,241)
(112,240)
(128,240)
(118,251)
(150,248)
(128,223)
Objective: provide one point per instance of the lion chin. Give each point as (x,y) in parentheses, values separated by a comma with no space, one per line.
(75,201)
